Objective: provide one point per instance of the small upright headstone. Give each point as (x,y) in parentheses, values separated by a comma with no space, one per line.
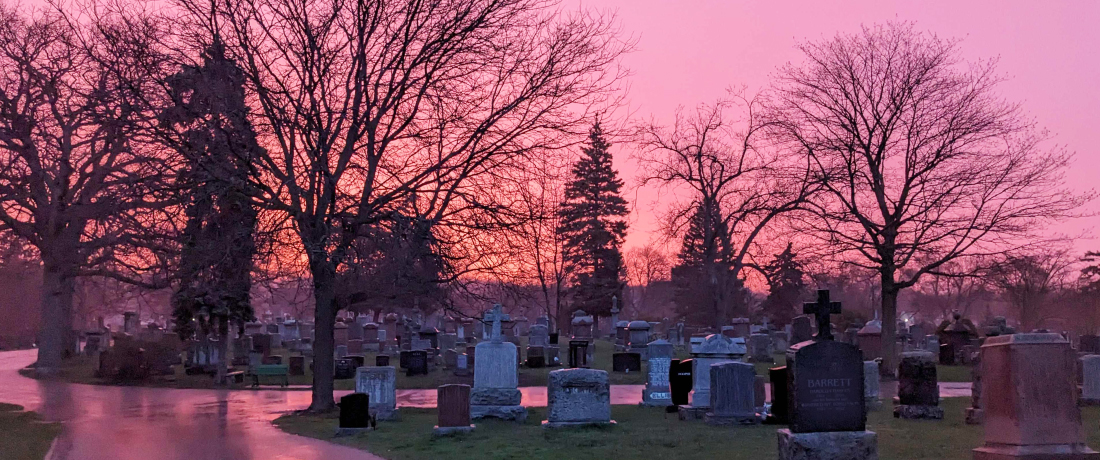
(345,369)
(974,412)
(379,383)
(760,348)
(781,406)
(354,414)
(871,383)
(454,410)
(1090,380)
(418,363)
(578,397)
(801,329)
(715,349)
(1089,344)
(657,390)
(732,394)
(1029,400)
(918,388)
(578,353)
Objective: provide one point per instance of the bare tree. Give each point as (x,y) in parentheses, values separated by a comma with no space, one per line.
(922,162)
(715,157)
(72,181)
(645,266)
(374,109)
(1027,280)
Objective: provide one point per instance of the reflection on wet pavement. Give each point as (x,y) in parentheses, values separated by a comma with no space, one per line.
(108,422)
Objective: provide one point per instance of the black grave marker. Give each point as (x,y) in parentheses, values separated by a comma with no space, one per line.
(680,381)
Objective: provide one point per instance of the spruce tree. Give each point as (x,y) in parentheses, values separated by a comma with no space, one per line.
(593,225)
(786,286)
(218,145)
(705,289)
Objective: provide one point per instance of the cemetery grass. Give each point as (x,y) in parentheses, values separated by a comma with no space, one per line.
(23,436)
(647,433)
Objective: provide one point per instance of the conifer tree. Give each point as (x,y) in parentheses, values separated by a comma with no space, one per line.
(786,286)
(593,225)
(218,144)
(706,290)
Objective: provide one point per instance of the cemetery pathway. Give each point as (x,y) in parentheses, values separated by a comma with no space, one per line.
(122,423)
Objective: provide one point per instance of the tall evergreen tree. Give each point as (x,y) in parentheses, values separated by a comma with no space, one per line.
(218,145)
(706,289)
(593,225)
(786,286)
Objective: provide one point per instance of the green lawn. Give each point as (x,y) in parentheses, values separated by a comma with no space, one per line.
(645,433)
(22,435)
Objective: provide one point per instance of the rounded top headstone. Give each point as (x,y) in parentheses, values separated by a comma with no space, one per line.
(872,327)
(622,324)
(638,325)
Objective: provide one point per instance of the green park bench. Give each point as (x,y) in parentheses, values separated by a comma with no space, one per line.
(270,370)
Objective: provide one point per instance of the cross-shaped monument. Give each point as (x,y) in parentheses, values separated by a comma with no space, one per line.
(496,324)
(822,309)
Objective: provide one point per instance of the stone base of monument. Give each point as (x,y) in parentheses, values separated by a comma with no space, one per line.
(992,451)
(762,359)
(1088,402)
(731,420)
(872,404)
(837,445)
(513,412)
(342,432)
(546,424)
(688,412)
(973,416)
(440,431)
(915,412)
(384,412)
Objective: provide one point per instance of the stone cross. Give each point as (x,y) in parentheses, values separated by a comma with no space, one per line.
(496,324)
(822,309)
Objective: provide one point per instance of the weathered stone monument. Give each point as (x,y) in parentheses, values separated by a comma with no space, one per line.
(871,384)
(801,329)
(1090,380)
(918,387)
(716,348)
(496,382)
(732,394)
(1029,400)
(379,384)
(578,397)
(828,420)
(657,390)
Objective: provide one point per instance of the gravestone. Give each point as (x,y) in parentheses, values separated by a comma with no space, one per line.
(380,384)
(781,407)
(341,351)
(827,413)
(974,412)
(462,367)
(1089,343)
(732,394)
(657,390)
(454,410)
(1090,380)
(740,327)
(801,329)
(578,353)
(638,337)
(716,348)
(450,358)
(355,347)
(918,389)
(760,346)
(536,357)
(496,393)
(297,365)
(345,369)
(354,414)
(869,339)
(1029,400)
(680,380)
(539,336)
(578,397)
(382,360)
(871,383)
(418,363)
(626,362)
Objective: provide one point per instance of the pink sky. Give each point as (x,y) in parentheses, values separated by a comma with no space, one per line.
(689,52)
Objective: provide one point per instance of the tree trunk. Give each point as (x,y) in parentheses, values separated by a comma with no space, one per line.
(889,324)
(222,329)
(324,296)
(52,330)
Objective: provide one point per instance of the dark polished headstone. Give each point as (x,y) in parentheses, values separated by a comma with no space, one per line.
(825,379)
(680,380)
(418,363)
(1089,343)
(536,357)
(732,394)
(297,365)
(917,382)
(781,405)
(345,369)
(355,411)
(382,360)
(801,329)
(626,362)
(359,360)
(578,353)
